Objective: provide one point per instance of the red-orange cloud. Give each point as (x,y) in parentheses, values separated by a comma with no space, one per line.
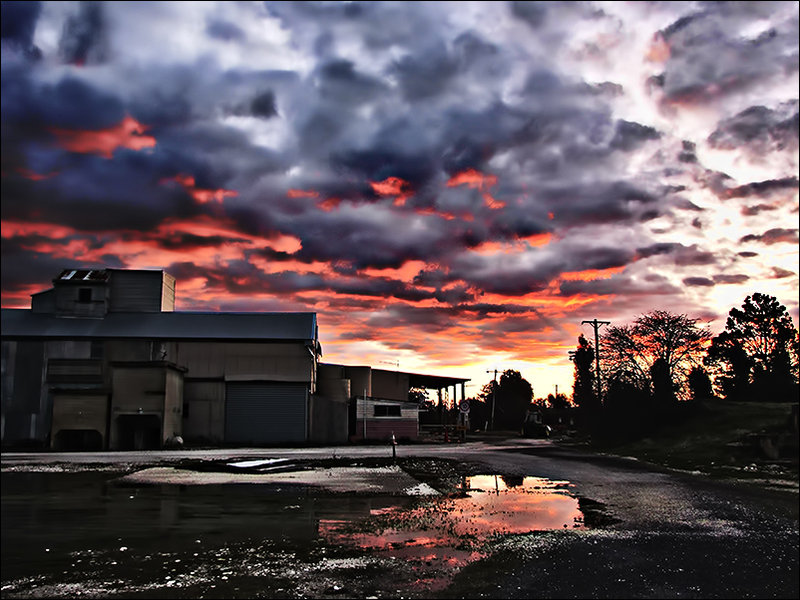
(200,194)
(393,186)
(478,181)
(302,194)
(127,134)
(33,175)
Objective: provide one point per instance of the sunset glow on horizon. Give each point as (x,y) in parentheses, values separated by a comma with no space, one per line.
(452,188)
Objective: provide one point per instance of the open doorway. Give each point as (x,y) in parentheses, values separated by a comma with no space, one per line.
(138,432)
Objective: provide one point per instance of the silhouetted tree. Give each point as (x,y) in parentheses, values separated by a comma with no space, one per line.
(513,396)
(756,356)
(538,404)
(627,411)
(663,386)
(626,398)
(583,393)
(558,401)
(658,342)
(478,413)
(700,384)
(418,395)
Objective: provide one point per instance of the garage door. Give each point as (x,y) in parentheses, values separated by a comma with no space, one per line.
(265,413)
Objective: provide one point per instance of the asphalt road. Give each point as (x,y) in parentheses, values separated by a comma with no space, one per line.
(659,533)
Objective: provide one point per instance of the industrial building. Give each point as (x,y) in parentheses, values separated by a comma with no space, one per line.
(103,361)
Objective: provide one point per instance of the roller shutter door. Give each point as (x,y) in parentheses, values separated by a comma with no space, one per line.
(265,413)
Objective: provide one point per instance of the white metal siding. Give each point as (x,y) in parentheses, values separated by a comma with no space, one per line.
(258,412)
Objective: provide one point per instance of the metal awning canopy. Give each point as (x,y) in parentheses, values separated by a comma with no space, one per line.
(433,382)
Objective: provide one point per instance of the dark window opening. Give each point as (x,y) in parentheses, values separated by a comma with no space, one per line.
(96,349)
(385,410)
(85,295)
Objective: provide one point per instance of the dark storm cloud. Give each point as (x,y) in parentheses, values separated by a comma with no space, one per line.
(760,129)
(762,188)
(382,161)
(518,324)
(428,72)
(540,14)
(95,194)
(679,254)
(533,13)
(439,318)
(224,30)
(381,24)
(366,237)
(750,211)
(263,105)
(685,204)
(240,276)
(773,236)
(709,57)
(658,249)
(189,241)
(618,285)
(84,37)
(692,255)
(403,90)
(738,278)
(18,24)
(599,202)
(629,135)
(778,273)
(687,154)
(698,282)
(24,268)
(339,81)
(523,274)
(70,103)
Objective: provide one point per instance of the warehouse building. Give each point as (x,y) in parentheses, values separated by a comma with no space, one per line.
(103,361)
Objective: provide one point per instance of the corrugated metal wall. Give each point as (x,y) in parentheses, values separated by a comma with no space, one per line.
(136,291)
(258,412)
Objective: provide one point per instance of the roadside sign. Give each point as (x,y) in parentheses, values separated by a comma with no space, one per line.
(464,406)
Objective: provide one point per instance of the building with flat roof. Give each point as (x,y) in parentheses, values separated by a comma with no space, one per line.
(102,360)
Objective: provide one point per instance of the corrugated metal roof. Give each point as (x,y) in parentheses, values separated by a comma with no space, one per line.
(23,323)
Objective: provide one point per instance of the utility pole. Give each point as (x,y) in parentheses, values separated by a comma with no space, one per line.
(597,324)
(494,398)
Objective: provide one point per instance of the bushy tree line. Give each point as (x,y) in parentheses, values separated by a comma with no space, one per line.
(661,359)
(511,397)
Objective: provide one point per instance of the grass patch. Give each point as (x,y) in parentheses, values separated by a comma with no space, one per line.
(722,438)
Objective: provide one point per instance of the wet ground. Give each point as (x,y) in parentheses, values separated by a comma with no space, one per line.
(486,522)
(241,529)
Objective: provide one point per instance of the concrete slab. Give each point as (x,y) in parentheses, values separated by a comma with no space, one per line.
(381,480)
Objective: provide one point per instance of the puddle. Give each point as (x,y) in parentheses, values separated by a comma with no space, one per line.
(70,534)
(79,529)
(444,535)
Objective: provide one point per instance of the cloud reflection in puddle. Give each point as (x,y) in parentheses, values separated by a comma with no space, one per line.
(440,537)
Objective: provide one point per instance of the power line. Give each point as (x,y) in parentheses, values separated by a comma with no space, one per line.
(494,398)
(597,324)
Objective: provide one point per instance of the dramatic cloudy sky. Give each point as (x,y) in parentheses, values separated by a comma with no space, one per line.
(451,185)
